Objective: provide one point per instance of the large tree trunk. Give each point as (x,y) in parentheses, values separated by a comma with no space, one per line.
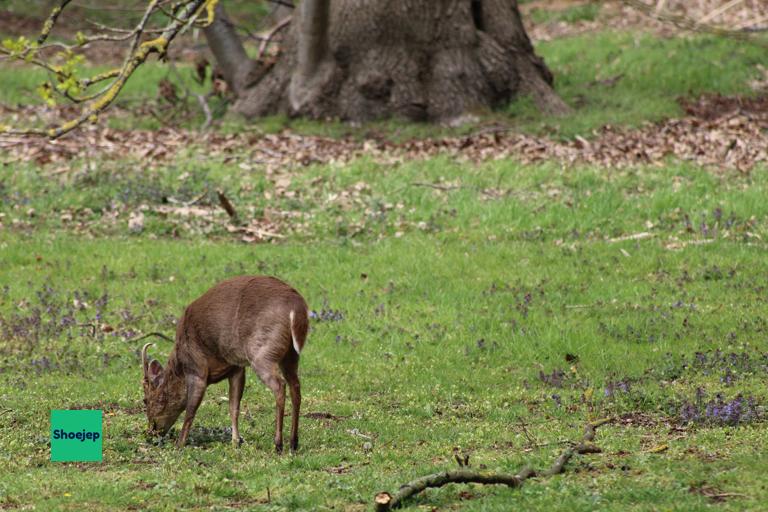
(419,59)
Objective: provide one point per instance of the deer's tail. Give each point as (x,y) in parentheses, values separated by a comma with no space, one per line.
(299,326)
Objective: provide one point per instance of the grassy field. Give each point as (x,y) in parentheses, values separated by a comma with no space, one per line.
(457,334)
(486,309)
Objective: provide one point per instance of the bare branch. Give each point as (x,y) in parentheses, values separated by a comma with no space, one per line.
(186,14)
(102,26)
(51,21)
(143,23)
(268,38)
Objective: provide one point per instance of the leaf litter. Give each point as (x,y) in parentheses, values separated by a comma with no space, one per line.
(742,15)
(719,133)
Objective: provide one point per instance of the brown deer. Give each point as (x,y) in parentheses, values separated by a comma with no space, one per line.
(253,321)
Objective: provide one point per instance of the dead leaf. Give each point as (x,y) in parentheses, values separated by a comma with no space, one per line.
(136,222)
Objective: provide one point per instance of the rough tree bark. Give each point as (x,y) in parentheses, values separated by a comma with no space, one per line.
(424,60)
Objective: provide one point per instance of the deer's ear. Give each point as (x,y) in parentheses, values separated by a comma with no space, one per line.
(155,373)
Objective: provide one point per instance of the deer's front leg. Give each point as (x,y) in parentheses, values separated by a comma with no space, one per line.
(195,391)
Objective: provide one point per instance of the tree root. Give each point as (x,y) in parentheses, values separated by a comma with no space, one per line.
(384,501)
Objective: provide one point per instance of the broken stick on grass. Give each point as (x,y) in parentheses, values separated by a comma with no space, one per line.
(228,206)
(384,501)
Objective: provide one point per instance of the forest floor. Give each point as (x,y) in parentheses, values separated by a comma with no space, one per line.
(482,291)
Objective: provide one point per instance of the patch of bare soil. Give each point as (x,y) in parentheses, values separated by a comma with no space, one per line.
(640,420)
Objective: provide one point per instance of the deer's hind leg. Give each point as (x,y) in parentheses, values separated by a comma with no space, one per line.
(290,368)
(269,375)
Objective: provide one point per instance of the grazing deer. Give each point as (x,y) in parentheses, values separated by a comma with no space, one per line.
(244,321)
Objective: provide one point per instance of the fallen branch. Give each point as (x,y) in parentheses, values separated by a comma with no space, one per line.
(384,501)
(436,186)
(191,202)
(585,446)
(634,236)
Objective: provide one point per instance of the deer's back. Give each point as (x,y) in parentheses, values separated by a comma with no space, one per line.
(240,311)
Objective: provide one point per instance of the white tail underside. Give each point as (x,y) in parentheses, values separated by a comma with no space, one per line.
(296,346)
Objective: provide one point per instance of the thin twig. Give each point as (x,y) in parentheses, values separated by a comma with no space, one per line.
(191,201)
(206,110)
(102,26)
(92,326)
(268,38)
(436,186)
(531,440)
(158,334)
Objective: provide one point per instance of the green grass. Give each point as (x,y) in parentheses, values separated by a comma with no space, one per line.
(445,331)
(585,12)
(366,201)
(625,79)
(18,87)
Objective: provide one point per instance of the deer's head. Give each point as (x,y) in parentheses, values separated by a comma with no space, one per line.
(165,394)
